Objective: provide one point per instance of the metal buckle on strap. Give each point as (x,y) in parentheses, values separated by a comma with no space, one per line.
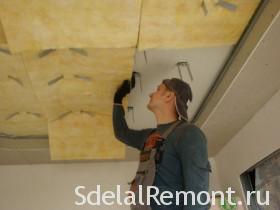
(145,155)
(141,172)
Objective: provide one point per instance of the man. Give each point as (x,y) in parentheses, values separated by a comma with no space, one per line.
(181,160)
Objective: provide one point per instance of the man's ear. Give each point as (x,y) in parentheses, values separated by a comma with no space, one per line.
(169,96)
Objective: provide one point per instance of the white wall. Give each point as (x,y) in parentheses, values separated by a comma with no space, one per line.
(214,183)
(51,186)
(255,141)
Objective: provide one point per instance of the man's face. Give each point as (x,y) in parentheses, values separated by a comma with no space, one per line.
(158,97)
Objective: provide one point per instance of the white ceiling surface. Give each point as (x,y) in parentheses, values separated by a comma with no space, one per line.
(253,86)
(205,64)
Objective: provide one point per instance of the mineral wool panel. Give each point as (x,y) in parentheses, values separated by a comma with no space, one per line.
(2,35)
(191,24)
(36,25)
(20,111)
(78,79)
(24,124)
(84,136)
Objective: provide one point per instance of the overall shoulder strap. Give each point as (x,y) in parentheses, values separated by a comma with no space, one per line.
(164,136)
(171,128)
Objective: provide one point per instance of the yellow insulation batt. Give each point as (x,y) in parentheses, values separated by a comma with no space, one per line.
(36,25)
(191,24)
(20,111)
(76,89)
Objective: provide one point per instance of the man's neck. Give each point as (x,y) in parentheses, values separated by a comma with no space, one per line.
(165,118)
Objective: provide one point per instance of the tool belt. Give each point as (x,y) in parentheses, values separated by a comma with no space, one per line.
(149,160)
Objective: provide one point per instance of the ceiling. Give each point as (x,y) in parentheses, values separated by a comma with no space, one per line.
(204,64)
(222,108)
(212,73)
(256,81)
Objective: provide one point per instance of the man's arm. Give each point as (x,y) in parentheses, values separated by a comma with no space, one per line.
(192,151)
(134,138)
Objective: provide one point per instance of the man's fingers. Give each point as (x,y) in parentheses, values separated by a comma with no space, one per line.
(122,91)
(124,84)
(125,87)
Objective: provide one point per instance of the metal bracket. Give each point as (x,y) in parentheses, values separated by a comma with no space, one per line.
(184,64)
(138,74)
(145,56)
(131,108)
